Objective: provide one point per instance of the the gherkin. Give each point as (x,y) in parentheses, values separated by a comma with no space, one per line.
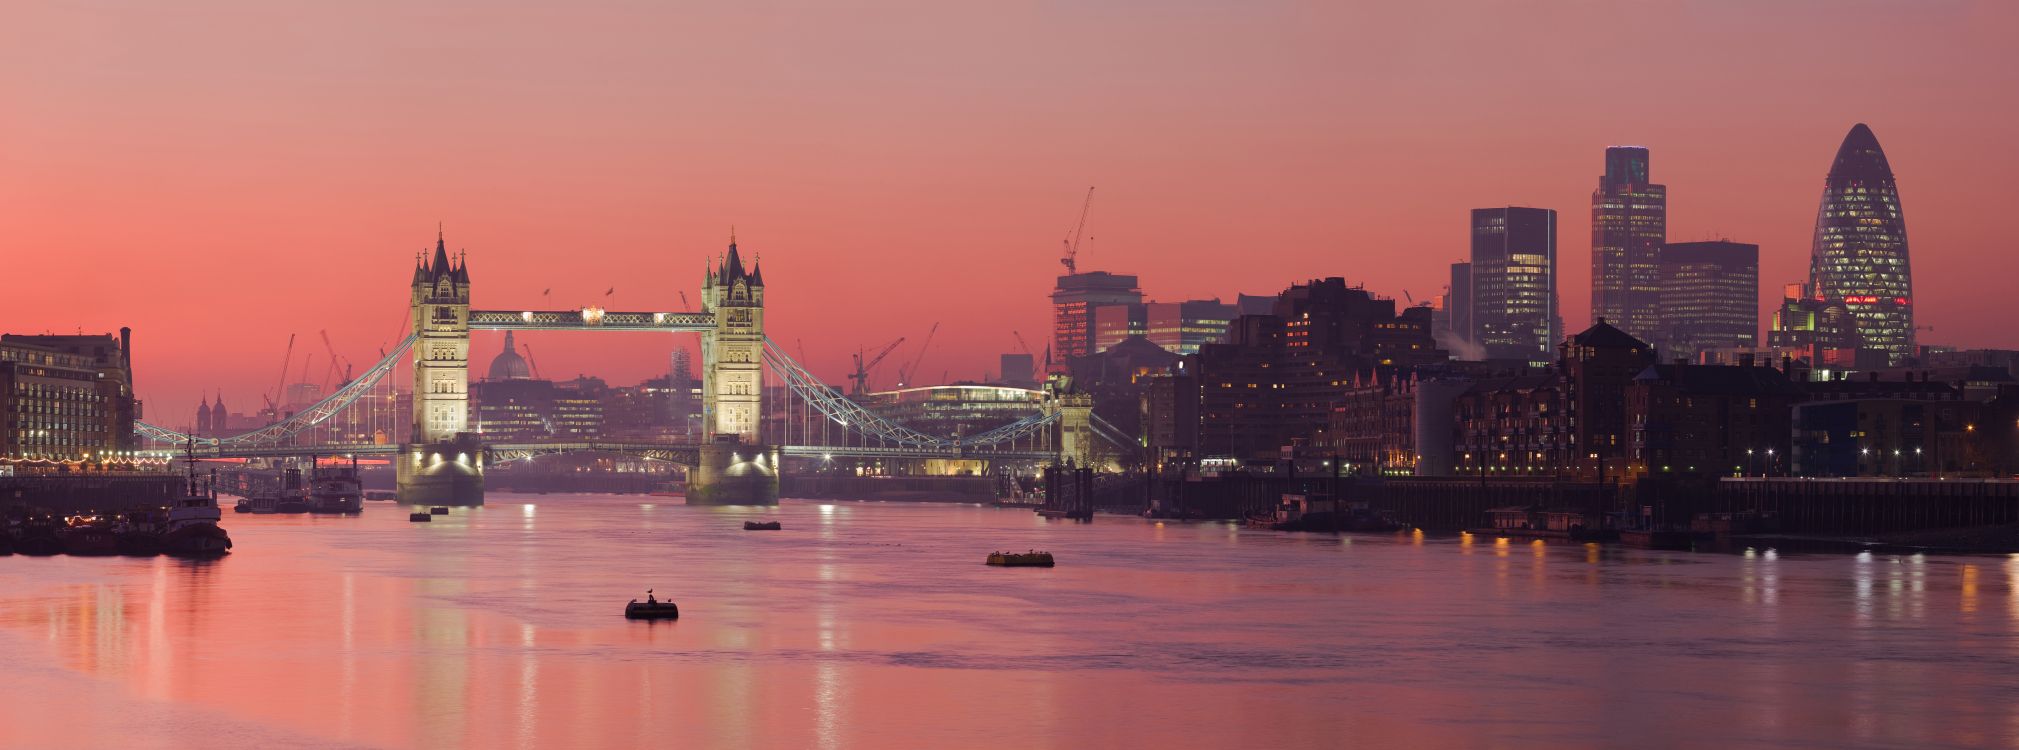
(1860,253)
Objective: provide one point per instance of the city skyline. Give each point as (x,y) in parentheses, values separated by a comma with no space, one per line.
(240,183)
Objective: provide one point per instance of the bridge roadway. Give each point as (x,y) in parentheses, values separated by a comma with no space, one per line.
(681,453)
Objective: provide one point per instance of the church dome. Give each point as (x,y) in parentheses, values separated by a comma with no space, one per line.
(508,365)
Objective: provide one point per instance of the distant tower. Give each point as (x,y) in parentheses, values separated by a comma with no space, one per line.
(1629,223)
(732,383)
(220,420)
(1859,258)
(203,416)
(441,324)
(735,466)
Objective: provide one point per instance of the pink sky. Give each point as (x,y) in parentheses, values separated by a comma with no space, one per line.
(220,174)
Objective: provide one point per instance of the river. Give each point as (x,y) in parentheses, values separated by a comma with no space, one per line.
(876,625)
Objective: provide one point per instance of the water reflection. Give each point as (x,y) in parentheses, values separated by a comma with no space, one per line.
(876,625)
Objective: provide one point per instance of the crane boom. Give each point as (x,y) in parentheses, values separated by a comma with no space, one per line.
(1020,342)
(864,364)
(911,373)
(532,364)
(333,359)
(280,389)
(1072,244)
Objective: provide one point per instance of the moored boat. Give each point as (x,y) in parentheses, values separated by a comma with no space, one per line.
(1032,559)
(336,489)
(90,537)
(420,517)
(762,526)
(192,529)
(439,510)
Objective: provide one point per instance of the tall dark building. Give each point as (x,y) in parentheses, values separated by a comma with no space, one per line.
(1513,305)
(1457,332)
(1710,297)
(1629,223)
(1074,301)
(1860,254)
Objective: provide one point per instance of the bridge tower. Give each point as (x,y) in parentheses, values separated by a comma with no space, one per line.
(736,466)
(1076,420)
(441,463)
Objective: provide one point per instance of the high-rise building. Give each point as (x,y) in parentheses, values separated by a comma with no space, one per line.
(1114,323)
(1457,333)
(1182,327)
(1513,305)
(1860,254)
(1629,223)
(1710,297)
(1019,370)
(1074,300)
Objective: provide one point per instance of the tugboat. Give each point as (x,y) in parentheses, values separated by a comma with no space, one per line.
(89,536)
(336,490)
(439,510)
(762,526)
(192,521)
(651,609)
(1032,559)
(39,538)
(421,517)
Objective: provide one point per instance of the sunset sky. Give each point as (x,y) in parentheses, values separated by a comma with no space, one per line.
(220,174)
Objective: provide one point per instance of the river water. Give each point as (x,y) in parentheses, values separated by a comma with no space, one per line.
(875,625)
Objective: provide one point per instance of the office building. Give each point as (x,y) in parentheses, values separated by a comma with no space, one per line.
(1513,304)
(1074,301)
(1709,299)
(1629,223)
(1859,258)
(66,398)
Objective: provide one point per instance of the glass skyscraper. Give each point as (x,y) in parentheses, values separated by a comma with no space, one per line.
(1513,300)
(1629,223)
(1860,254)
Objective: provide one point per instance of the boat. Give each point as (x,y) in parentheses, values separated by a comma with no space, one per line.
(439,510)
(39,539)
(381,495)
(192,529)
(762,526)
(1031,559)
(336,489)
(291,503)
(420,517)
(89,536)
(243,506)
(137,541)
(651,609)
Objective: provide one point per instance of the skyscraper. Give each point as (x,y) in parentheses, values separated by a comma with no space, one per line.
(1710,297)
(1513,305)
(1860,254)
(1074,301)
(1629,223)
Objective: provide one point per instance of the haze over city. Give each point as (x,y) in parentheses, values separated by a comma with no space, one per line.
(230,173)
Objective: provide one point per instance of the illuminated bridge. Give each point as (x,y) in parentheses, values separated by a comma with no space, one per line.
(441,461)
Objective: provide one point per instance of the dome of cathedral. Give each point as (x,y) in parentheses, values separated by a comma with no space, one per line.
(508,365)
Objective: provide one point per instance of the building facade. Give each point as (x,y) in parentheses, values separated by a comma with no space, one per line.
(1709,298)
(66,398)
(1859,258)
(1629,223)
(1074,300)
(1514,296)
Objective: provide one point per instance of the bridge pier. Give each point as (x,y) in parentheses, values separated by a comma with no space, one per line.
(450,473)
(731,473)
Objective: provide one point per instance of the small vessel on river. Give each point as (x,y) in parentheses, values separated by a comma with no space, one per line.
(651,609)
(336,489)
(762,526)
(1032,559)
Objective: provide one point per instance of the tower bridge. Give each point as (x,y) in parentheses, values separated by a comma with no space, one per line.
(441,461)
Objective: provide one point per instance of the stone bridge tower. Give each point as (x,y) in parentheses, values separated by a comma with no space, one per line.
(736,466)
(442,462)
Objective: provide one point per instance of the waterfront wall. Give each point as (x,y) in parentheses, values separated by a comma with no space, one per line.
(954,489)
(1867,506)
(66,494)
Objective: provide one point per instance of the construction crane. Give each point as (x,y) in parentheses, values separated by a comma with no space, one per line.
(860,377)
(1072,244)
(335,362)
(683,301)
(280,389)
(531,364)
(1020,342)
(906,375)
